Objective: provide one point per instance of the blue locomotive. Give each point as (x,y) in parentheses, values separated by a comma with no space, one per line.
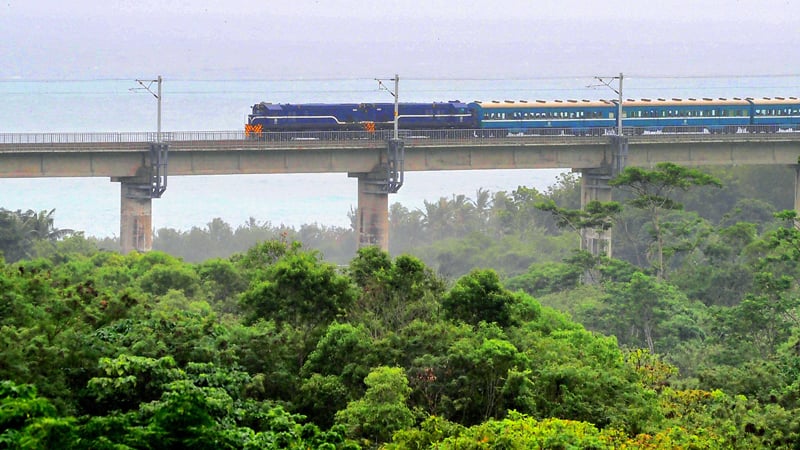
(358,116)
(537,117)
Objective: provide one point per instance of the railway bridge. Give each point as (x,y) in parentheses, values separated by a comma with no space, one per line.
(142,162)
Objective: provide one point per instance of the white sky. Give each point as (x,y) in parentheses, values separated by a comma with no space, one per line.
(237,39)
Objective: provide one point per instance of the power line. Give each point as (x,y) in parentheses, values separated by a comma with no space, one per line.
(431,79)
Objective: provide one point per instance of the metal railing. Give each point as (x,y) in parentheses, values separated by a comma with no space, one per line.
(76,138)
(371,139)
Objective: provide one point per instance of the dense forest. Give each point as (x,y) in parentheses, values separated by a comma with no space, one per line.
(485,326)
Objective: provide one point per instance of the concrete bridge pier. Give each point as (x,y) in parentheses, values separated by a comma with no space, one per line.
(594,186)
(797,188)
(136,215)
(372,215)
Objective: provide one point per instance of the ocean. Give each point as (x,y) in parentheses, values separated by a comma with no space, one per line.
(92,204)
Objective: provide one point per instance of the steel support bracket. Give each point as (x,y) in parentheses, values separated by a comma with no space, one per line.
(620,158)
(159,152)
(395,165)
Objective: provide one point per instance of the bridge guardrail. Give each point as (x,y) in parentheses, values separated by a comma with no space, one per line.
(127,141)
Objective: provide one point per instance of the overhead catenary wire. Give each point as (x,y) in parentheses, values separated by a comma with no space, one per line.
(450,87)
(410,78)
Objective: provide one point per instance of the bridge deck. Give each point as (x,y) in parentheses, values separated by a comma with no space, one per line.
(206,153)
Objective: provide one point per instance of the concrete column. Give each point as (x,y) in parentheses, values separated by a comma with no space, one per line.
(797,188)
(594,186)
(136,217)
(372,215)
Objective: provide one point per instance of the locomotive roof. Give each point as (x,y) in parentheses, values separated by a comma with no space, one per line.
(277,106)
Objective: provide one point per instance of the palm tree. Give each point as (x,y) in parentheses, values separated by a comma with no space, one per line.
(462,211)
(436,217)
(19,230)
(483,208)
(41,225)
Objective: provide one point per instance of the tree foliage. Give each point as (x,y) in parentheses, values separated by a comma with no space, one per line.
(653,191)
(275,347)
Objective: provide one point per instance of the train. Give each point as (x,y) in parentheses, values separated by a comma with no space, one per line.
(500,118)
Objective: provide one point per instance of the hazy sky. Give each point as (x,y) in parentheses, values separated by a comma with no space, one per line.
(268,39)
